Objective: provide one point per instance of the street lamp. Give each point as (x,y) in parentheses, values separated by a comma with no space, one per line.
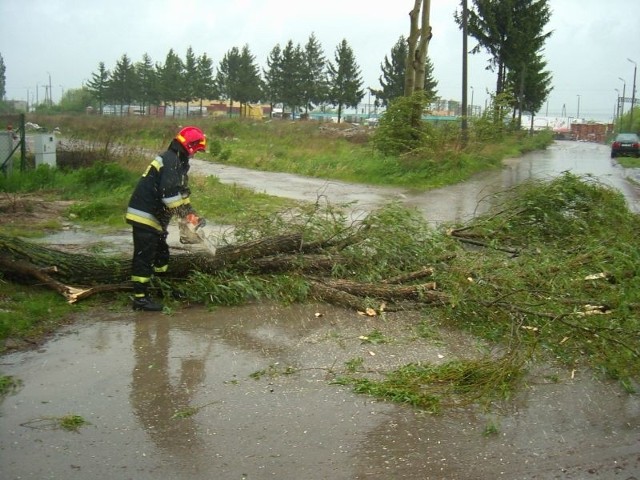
(633,92)
(471,87)
(624,88)
(617,109)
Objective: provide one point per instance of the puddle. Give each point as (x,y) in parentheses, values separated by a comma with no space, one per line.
(189,396)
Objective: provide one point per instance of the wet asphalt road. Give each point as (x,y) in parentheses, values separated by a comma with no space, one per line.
(246,392)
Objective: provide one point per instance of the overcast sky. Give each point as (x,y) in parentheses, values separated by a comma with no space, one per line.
(66,40)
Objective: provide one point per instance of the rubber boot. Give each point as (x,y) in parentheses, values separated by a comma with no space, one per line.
(142,300)
(147,304)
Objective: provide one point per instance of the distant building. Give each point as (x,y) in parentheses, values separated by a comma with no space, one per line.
(213,108)
(18,105)
(591,131)
(570,128)
(219,108)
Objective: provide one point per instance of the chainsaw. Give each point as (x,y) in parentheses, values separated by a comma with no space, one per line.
(196,234)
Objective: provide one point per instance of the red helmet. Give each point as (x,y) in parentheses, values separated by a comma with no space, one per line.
(192,139)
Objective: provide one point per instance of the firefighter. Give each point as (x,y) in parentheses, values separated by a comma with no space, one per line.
(161,193)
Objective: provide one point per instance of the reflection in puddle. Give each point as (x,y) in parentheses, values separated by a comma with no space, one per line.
(162,401)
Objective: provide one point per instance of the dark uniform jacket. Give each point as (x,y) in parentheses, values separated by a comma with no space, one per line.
(161,192)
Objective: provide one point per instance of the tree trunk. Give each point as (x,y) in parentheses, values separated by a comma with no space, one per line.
(412,46)
(417,47)
(77,276)
(65,267)
(424,291)
(86,270)
(423,46)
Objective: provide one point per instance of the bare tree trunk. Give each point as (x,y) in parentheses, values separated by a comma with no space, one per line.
(423,46)
(412,46)
(425,291)
(531,125)
(418,44)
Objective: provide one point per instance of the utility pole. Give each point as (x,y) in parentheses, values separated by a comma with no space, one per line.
(633,93)
(624,88)
(464,71)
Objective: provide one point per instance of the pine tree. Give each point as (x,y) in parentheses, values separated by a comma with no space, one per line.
(534,86)
(314,82)
(509,30)
(292,77)
(249,81)
(522,57)
(346,80)
(393,75)
(205,84)
(274,77)
(227,76)
(98,86)
(123,83)
(148,82)
(171,76)
(190,78)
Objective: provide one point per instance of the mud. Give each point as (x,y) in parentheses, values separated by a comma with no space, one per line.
(247,392)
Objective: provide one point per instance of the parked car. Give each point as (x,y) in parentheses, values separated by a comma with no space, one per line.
(626,144)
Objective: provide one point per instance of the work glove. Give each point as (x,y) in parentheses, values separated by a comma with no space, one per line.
(195,221)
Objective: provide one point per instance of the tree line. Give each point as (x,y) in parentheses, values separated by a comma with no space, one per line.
(298,77)
(301,78)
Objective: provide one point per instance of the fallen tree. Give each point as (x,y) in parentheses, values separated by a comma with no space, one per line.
(77,276)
